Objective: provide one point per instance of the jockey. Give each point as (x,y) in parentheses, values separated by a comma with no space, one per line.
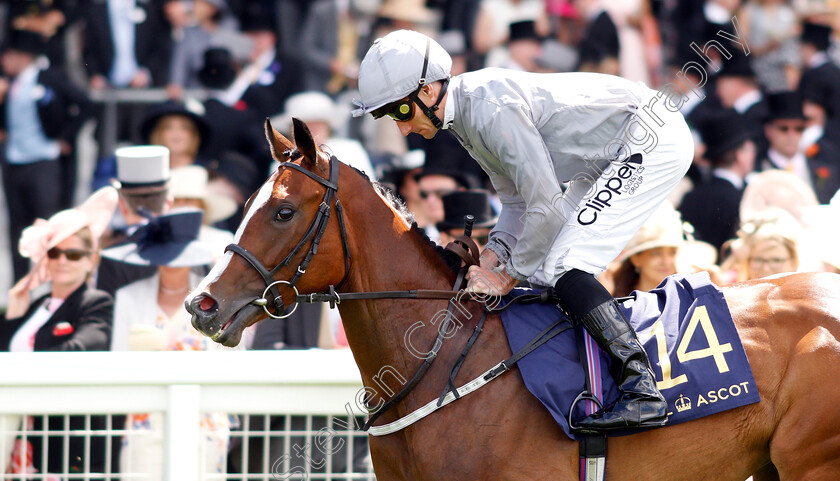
(579,161)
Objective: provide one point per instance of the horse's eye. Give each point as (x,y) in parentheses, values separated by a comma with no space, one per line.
(285,214)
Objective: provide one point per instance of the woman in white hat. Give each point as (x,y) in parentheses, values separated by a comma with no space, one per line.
(189,187)
(767,244)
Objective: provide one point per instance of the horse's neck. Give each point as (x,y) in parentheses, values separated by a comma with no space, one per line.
(395,259)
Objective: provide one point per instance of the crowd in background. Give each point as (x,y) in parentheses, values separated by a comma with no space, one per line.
(758,82)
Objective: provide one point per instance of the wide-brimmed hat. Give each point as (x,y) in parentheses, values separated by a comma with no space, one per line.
(310,106)
(218,71)
(94,213)
(476,203)
(664,228)
(190,182)
(237,169)
(166,240)
(722,132)
(191,111)
(463,179)
(784,105)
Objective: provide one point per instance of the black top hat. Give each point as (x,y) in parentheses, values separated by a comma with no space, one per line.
(523,30)
(466,202)
(819,92)
(817,35)
(26,41)
(784,105)
(464,180)
(156,112)
(166,240)
(737,66)
(258,17)
(218,71)
(723,132)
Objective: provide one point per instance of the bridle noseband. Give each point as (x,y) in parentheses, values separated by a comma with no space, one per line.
(315,232)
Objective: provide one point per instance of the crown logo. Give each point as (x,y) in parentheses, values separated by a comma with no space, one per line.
(682,404)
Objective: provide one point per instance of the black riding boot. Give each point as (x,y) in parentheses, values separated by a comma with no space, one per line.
(640,403)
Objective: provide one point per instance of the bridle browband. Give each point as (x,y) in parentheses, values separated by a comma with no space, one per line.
(314,232)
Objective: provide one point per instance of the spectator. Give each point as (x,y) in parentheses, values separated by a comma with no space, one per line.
(48,18)
(651,255)
(398,174)
(820,74)
(456,206)
(142,182)
(43,112)
(150,315)
(270,75)
(599,49)
(640,52)
(325,119)
(737,88)
(208,31)
(126,44)
(70,316)
(495,16)
(524,46)
(817,166)
(712,206)
(189,188)
(235,125)
(234,176)
(767,244)
(332,42)
(769,27)
(181,128)
(434,182)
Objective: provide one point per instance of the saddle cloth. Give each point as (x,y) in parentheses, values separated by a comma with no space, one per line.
(685,327)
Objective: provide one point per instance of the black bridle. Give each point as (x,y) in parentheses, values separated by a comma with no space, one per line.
(314,232)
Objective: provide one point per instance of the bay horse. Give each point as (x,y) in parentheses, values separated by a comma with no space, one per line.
(788,325)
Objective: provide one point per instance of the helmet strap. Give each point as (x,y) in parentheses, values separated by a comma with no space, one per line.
(429,111)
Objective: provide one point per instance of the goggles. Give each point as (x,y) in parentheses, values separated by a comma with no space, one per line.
(401,110)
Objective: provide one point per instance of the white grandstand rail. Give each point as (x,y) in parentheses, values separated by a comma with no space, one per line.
(182,385)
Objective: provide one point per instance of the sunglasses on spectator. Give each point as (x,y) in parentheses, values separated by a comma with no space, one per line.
(401,110)
(439,193)
(70,254)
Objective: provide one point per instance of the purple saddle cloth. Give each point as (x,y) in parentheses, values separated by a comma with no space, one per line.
(685,327)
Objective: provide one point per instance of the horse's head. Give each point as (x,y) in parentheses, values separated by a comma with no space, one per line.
(285,223)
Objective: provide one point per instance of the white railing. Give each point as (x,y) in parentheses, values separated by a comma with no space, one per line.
(183,385)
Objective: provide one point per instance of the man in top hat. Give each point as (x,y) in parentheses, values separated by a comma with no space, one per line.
(531,133)
(599,49)
(783,129)
(42,114)
(434,181)
(712,206)
(456,206)
(737,88)
(819,74)
(523,48)
(236,126)
(143,184)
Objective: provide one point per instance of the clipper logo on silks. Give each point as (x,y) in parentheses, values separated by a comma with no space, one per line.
(626,180)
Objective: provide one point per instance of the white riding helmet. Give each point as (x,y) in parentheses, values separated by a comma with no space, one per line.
(393,68)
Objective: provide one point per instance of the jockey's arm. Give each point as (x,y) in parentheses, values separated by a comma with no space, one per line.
(518,145)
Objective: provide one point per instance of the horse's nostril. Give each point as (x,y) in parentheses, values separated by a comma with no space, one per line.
(207,304)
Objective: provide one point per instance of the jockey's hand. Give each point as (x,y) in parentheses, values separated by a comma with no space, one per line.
(493,282)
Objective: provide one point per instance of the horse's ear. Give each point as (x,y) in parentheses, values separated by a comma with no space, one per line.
(304,141)
(277,142)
